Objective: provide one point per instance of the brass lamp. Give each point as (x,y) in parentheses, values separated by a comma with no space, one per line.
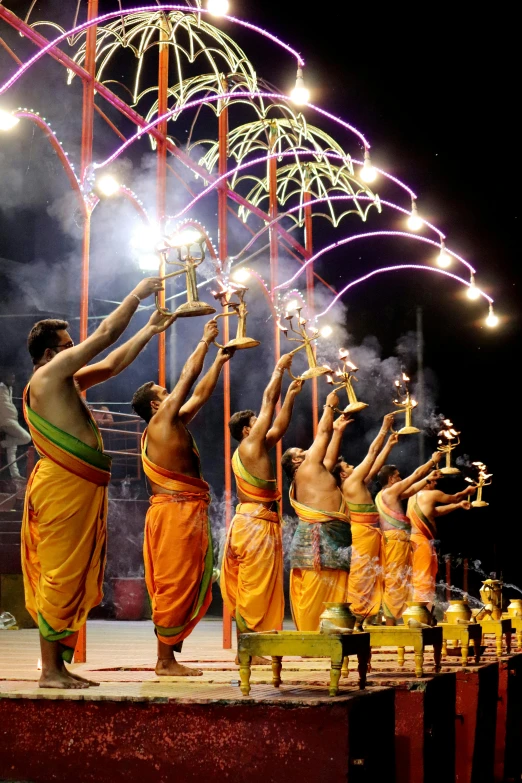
(344,377)
(182,241)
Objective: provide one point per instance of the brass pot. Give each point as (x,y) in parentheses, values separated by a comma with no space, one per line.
(417,610)
(515,607)
(491,593)
(339,615)
(458,611)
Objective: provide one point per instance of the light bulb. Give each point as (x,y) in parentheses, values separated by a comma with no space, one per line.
(107,185)
(300,95)
(414,221)
(472,292)
(7,120)
(368,173)
(217,7)
(444,258)
(241,275)
(326,331)
(492,319)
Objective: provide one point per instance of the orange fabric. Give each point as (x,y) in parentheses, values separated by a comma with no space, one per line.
(251,577)
(310,590)
(424,568)
(396,555)
(365,584)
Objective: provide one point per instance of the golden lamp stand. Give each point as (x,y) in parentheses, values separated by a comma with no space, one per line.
(346,376)
(484,480)
(183,241)
(448,440)
(314,370)
(406,405)
(239,309)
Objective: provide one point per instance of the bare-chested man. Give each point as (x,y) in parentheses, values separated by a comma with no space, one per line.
(321,547)
(423,510)
(396,532)
(64,524)
(365,581)
(177,547)
(252,568)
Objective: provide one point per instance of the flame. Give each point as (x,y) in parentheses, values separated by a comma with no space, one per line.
(283,328)
(351,366)
(405,377)
(339,372)
(343,353)
(329,379)
(413,403)
(397,384)
(470,480)
(302,321)
(447,422)
(39,664)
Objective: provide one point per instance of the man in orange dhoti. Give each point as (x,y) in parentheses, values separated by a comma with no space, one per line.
(251,578)
(396,532)
(423,510)
(177,547)
(365,581)
(64,523)
(321,547)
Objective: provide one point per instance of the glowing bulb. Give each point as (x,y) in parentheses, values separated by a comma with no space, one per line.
(368,172)
(300,95)
(107,185)
(492,319)
(145,238)
(444,258)
(326,331)
(217,7)
(241,275)
(414,221)
(148,262)
(7,120)
(472,292)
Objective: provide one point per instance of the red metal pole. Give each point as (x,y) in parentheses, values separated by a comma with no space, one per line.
(161,171)
(223,254)
(274,258)
(310,293)
(80,651)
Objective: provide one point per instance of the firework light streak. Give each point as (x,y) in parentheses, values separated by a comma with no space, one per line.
(140,9)
(396,268)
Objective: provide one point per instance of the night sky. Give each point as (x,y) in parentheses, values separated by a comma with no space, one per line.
(435,97)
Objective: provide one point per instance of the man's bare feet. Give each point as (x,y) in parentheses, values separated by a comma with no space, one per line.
(169,667)
(61,679)
(81,679)
(257,660)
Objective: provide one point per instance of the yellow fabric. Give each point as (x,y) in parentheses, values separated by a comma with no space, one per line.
(310,590)
(252,488)
(63,549)
(424,568)
(251,578)
(309,514)
(396,555)
(177,551)
(365,583)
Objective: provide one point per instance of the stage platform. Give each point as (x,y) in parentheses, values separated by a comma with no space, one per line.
(137,725)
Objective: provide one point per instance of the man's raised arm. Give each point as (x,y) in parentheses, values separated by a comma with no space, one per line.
(334,447)
(271,395)
(282,420)
(67,363)
(206,386)
(361,471)
(417,480)
(382,456)
(317,451)
(125,354)
(441,511)
(172,405)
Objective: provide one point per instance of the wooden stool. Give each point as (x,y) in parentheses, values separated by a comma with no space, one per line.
(403,636)
(463,633)
(500,628)
(516,625)
(307,643)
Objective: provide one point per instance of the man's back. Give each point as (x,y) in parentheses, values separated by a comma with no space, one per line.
(316,487)
(171,446)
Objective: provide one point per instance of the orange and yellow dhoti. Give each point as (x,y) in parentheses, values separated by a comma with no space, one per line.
(63,530)
(424,557)
(365,583)
(396,555)
(177,551)
(319,562)
(251,578)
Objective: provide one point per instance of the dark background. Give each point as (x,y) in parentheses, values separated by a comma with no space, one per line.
(435,96)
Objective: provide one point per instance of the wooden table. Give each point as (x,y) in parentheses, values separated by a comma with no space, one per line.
(500,628)
(313,644)
(403,636)
(463,633)
(516,625)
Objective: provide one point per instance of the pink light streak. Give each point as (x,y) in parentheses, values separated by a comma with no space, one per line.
(399,267)
(221,97)
(140,9)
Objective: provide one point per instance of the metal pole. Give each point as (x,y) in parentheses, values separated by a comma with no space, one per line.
(161,174)
(274,258)
(420,382)
(310,294)
(223,254)
(80,651)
